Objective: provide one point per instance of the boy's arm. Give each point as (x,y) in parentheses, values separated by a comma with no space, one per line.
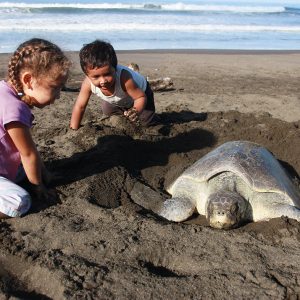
(80,104)
(133,91)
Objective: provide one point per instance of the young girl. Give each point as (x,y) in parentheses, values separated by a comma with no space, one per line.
(37,70)
(122,90)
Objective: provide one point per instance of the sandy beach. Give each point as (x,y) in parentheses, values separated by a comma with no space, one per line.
(95,243)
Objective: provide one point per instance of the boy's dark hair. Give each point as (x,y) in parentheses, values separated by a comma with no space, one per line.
(97,54)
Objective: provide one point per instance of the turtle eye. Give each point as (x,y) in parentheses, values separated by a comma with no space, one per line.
(220,212)
(234,208)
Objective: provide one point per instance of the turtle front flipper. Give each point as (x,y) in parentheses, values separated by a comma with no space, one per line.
(146,197)
(266,211)
(177,209)
(174,209)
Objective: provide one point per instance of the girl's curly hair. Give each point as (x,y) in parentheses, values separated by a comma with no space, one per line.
(41,58)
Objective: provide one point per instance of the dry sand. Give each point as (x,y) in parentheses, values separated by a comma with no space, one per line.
(95,243)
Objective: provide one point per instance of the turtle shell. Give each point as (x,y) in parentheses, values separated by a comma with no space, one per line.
(251,162)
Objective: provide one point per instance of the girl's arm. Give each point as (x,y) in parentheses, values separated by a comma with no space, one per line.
(30,157)
(21,137)
(133,91)
(80,104)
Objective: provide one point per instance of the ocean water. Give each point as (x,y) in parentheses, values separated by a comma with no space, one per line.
(153,24)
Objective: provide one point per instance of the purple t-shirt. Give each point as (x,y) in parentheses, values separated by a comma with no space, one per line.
(12,109)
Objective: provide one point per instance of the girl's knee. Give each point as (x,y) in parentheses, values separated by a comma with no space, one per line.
(15,206)
(14,201)
(25,205)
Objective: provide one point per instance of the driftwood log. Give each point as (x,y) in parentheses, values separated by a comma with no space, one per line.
(161,84)
(157,84)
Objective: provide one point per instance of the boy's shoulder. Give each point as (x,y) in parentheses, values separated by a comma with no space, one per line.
(122,67)
(137,77)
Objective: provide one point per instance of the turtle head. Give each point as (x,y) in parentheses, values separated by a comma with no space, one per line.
(225,209)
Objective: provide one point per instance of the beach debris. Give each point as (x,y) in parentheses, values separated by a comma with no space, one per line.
(238,182)
(161,84)
(157,84)
(134,67)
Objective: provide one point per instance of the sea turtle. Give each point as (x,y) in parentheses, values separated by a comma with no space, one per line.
(237,182)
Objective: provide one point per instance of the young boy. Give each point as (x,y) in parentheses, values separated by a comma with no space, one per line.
(122,90)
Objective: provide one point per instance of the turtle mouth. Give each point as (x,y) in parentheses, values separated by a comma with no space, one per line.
(221,225)
(223,222)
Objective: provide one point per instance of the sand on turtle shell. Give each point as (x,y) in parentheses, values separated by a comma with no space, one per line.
(95,243)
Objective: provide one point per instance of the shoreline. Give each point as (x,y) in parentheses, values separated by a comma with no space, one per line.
(194,51)
(216,80)
(209,51)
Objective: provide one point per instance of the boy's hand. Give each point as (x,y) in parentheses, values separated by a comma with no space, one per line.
(132,115)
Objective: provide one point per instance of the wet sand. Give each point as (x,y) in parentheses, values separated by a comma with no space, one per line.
(95,243)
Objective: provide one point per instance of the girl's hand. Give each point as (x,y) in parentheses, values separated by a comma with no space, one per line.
(132,115)
(44,194)
(50,177)
(47,176)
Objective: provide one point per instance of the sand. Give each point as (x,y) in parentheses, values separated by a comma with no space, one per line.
(95,243)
